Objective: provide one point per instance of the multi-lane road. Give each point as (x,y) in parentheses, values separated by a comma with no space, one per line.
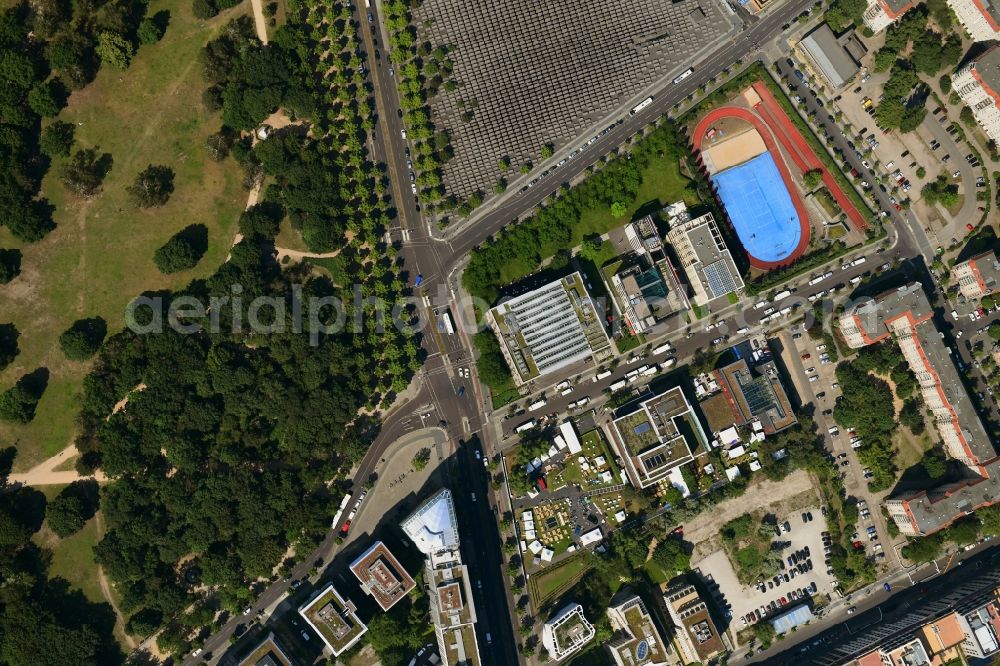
(443,392)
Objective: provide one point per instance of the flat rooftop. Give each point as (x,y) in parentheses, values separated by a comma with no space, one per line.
(549,328)
(654,434)
(829,56)
(334,619)
(382,576)
(268,653)
(756,391)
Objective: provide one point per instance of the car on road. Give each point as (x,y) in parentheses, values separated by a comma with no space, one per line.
(887,587)
(851,610)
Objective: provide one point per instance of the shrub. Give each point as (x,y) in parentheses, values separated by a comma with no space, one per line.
(82,340)
(183,251)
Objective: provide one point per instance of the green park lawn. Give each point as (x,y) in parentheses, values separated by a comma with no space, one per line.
(549,582)
(662,182)
(100,255)
(73,557)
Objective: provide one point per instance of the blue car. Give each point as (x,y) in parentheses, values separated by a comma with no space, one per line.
(886,587)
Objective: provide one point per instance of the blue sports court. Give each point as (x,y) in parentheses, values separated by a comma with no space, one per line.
(760,208)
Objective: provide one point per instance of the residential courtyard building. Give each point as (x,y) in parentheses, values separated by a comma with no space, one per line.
(978,276)
(550,328)
(906,316)
(566,632)
(752,389)
(978,84)
(702,253)
(656,434)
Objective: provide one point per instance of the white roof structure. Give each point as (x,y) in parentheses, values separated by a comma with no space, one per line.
(606,476)
(599,461)
(733,472)
(560,442)
(535,547)
(620,516)
(736,451)
(754,465)
(547,555)
(593,536)
(568,432)
(730,436)
(432,527)
(563,642)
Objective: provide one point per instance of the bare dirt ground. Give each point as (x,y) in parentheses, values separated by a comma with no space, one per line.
(46,474)
(779,497)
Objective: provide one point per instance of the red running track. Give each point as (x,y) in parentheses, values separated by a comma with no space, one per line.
(802,153)
(762,129)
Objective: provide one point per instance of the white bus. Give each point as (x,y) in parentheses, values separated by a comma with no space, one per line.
(665,347)
(781,295)
(618,385)
(602,375)
(536,405)
(683,75)
(641,105)
(445,324)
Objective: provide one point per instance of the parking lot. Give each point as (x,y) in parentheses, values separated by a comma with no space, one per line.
(803,573)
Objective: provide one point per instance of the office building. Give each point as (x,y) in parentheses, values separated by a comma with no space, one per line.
(980,18)
(880,14)
(636,641)
(906,315)
(268,653)
(655,434)
(829,57)
(333,619)
(696,635)
(978,84)
(978,276)
(550,328)
(567,632)
(434,530)
(752,389)
(381,575)
(708,264)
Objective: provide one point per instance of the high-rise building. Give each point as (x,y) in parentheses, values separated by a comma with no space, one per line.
(433,528)
(978,276)
(697,637)
(906,315)
(978,84)
(636,640)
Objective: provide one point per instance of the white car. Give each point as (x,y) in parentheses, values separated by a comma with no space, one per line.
(402,133)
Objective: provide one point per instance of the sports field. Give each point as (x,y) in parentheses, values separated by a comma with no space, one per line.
(760,208)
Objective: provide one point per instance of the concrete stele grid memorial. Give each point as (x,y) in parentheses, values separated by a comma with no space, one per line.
(545,72)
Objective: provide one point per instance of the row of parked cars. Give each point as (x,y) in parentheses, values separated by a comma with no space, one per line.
(764,611)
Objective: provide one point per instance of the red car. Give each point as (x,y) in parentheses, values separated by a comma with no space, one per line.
(969,227)
(858,545)
(898,207)
(981,312)
(345,527)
